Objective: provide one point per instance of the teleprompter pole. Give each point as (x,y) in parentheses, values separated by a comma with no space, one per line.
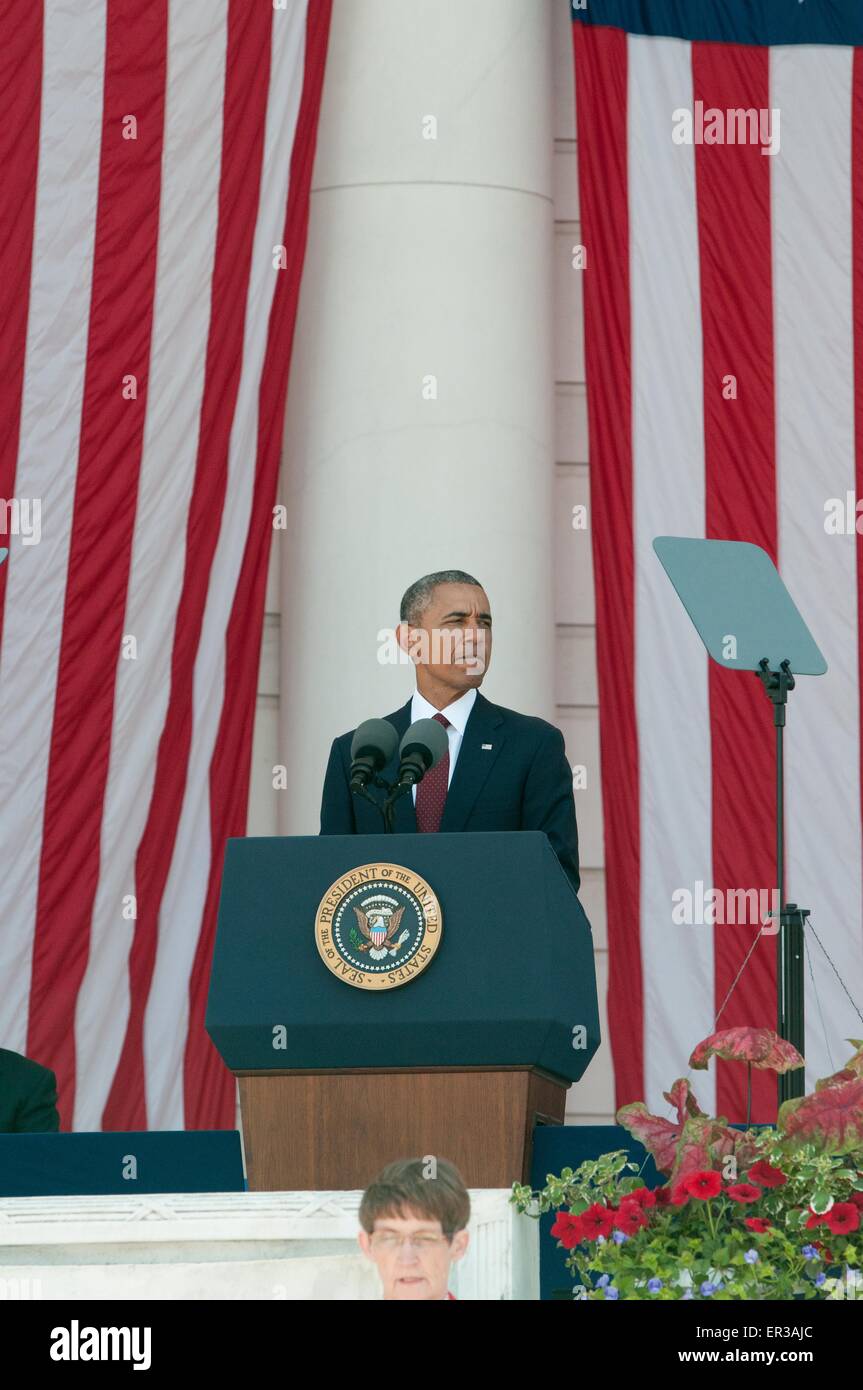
(790,1023)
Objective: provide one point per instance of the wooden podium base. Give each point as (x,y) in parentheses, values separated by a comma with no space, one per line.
(313,1131)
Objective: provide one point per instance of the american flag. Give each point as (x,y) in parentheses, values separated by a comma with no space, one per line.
(724,360)
(155,163)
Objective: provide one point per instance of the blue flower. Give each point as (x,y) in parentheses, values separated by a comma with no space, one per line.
(612,1292)
(751,1257)
(619,1237)
(820,1279)
(654,1285)
(707,1288)
(809,1252)
(603,1281)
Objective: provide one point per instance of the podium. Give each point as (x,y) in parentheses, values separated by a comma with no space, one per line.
(460,1061)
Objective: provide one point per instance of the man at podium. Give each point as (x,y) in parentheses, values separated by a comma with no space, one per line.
(502,771)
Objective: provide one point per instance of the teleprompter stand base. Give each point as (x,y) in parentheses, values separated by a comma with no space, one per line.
(316,1131)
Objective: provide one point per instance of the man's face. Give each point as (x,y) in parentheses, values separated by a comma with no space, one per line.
(413,1256)
(452,639)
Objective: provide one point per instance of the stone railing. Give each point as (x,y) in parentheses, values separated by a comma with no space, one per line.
(250,1245)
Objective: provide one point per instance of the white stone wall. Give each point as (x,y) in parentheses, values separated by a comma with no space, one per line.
(284,1246)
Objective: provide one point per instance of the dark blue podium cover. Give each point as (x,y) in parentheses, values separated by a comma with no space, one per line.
(512,978)
(76,1165)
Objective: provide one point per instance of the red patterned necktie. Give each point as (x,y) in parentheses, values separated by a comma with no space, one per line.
(431,792)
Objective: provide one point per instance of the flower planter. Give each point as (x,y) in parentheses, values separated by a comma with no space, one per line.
(745,1214)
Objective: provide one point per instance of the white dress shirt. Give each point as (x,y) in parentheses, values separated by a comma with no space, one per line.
(457,713)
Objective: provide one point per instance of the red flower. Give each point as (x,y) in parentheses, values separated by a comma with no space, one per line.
(760,1224)
(814,1220)
(679,1195)
(568,1230)
(642,1195)
(843,1218)
(630,1218)
(856,1198)
(662,1195)
(743,1192)
(597,1221)
(766,1175)
(703,1185)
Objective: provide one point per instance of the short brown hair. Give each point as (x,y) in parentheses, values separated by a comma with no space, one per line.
(403,1187)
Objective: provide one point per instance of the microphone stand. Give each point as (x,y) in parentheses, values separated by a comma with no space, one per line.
(393,790)
(385,809)
(389,806)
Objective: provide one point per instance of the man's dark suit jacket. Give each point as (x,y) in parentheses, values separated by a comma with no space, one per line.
(523,782)
(28,1096)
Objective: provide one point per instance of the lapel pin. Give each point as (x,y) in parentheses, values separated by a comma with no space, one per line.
(486,745)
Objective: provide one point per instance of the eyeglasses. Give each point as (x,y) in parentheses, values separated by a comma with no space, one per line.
(387,1240)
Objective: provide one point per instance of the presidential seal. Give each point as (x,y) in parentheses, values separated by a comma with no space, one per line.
(378,926)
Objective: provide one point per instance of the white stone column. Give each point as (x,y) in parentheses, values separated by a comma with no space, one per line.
(428,274)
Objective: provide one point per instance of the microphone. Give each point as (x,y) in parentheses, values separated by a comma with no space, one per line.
(424,744)
(372,746)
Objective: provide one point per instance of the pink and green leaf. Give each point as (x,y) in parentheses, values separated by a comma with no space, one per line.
(761,1047)
(683,1100)
(705,1143)
(831,1118)
(659,1136)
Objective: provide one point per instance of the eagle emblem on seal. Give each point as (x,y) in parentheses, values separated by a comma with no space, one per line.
(378,930)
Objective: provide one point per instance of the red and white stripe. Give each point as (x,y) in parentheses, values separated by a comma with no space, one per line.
(704,262)
(154,258)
